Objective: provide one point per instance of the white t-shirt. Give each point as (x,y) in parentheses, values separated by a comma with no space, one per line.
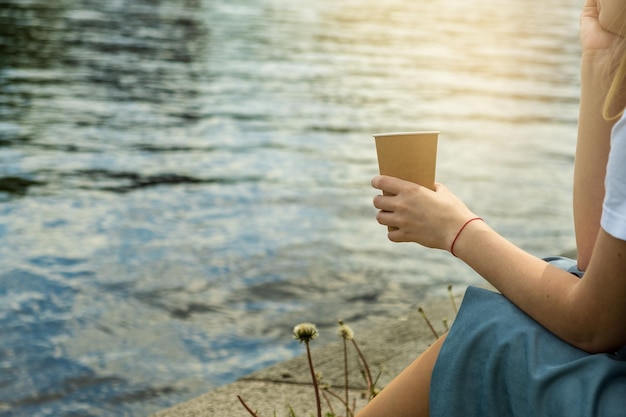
(614,207)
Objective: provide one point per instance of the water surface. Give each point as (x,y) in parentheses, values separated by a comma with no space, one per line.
(182,181)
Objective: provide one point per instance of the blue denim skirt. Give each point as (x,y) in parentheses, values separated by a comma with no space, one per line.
(497,361)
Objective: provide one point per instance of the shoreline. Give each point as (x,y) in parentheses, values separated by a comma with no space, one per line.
(388,349)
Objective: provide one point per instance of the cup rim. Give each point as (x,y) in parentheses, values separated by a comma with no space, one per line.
(417,132)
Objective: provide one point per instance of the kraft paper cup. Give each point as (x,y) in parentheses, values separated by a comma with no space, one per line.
(411,156)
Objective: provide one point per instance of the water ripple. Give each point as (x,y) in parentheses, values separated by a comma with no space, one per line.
(181,181)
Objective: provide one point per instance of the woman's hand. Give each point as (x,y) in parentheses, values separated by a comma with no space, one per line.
(593,36)
(430,218)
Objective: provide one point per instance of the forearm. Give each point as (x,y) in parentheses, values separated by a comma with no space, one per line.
(592,150)
(544,292)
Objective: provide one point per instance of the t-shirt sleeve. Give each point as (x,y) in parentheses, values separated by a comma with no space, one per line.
(613,219)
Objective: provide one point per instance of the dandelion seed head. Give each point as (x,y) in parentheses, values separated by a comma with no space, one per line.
(305,332)
(345,331)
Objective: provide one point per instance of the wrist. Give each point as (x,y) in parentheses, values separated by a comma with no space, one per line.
(598,62)
(460,232)
(603,58)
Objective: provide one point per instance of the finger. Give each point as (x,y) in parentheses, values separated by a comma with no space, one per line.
(397,235)
(439,187)
(591,8)
(383,202)
(385,218)
(389,184)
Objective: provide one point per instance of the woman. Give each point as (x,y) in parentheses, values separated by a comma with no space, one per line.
(550,344)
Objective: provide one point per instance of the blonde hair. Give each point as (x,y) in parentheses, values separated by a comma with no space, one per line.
(615,94)
(619,80)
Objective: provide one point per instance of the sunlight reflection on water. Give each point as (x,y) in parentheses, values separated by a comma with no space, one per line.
(183,181)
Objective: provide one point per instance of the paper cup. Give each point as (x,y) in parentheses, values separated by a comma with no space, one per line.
(410,156)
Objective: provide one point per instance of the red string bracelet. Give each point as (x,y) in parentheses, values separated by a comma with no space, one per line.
(459,233)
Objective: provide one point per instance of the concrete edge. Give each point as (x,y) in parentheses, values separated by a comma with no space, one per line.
(388,349)
(271,392)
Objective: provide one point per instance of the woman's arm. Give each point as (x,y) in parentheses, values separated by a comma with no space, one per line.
(592,150)
(588,313)
(598,64)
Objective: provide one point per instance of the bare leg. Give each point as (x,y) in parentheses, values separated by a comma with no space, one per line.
(407,394)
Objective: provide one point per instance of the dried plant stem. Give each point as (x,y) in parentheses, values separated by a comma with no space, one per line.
(314,378)
(456,310)
(330,406)
(345,372)
(368,375)
(350,412)
(432,329)
(252,413)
